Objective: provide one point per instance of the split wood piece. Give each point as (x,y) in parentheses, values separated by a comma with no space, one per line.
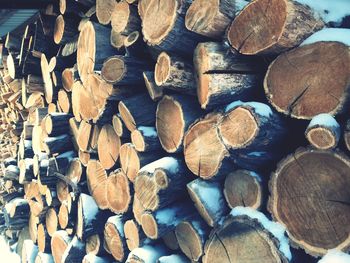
(104,10)
(323,132)
(72,7)
(243,188)
(66,29)
(205,154)
(69,77)
(44,240)
(59,243)
(224,75)
(135,237)
(123,70)
(132,161)
(114,236)
(147,253)
(252,132)
(97,183)
(245,239)
(91,258)
(157,224)
(90,219)
(282,26)
(108,146)
(175,73)
(74,252)
(347,135)
(119,192)
(93,49)
(297,173)
(132,116)
(211,18)
(51,220)
(26,171)
(120,128)
(85,157)
(192,235)
(125,18)
(58,144)
(94,245)
(15,85)
(154,91)
(137,209)
(29,251)
(13,67)
(295,94)
(161,183)
(209,200)
(57,124)
(117,40)
(172,31)
(175,113)
(145,139)
(44,258)
(64,100)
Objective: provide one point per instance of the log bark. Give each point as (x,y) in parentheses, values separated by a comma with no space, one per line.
(347,135)
(209,200)
(294,95)
(287,27)
(297,172)
(66,29)
(125,18)
(243,188)
(108,146)
(147,253)
(74,252)
(72,7)
(57,124)
(154,91)
(58,144)
(94,245)
(174,115)
(145,139)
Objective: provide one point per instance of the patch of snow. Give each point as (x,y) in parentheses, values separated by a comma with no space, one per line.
(199,226)
(166,216)
(167,163)
(31,250)
(324,119)
(47,258)
(233,105)
(341,35)
(12,168)
(254,174)
(148,131)
(259,108)
(173,259)
(149,254)
(330,10)
(240,4)
(6,254)
(335,256)
(90,208)
(91,258)
(256,154)
(275,228)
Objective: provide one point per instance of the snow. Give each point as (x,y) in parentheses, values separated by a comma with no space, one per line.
(259,108)
(149,254)
(166,216)
(199,226)
(256,154)
(341,35)
(240,4)
(330,10)
(275,228)
(47,258)
(173,259)
(90,208)
(6,254)
(324,119)
(91,258)
(335,256)
(31,250)
(254,174)
(167,163)
(148,131)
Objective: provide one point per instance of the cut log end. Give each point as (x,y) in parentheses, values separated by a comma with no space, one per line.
(114,241)
(189,240)
(63,216)
(51,221)
(118,192)
(129,161)
(113,69)
(126,116)
(132,234)
(93,244)
(138,141)
(321,138)
(162,69)
(59,29)
(108,146)
(149,225)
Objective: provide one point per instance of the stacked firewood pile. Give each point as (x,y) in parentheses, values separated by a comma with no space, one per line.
(175,131)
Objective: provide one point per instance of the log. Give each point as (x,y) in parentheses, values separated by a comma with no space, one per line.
(134,235)
(323,132)
(91,258)
(170,241)
(31,64)
(93,49)
(137,209)
(108,146)
(154,91)
(74,252)
(59,62)
(64,101)
(104,10)
(58,144)
(120,128)
(136,47)
(297,172)
(147,253)
(162,221)
(125,18)
(115,237)
(294,23)
(44,240)
(59,243)
(97,183)
(175,73)
(161,183)
(211,18)
(72,7)
(117,40)
(90,218)
(13,67)
(57,124)
(51,221)
(347,135)
(239,75)
(119,192)
(192,235)
(69,77)
(123,70)
(132,161)
(174,115)
(132,116)
(145,139)
(94,245)
(172,31)
(245,236)
(243,188)
(26,170)
(66,29)
(294,95)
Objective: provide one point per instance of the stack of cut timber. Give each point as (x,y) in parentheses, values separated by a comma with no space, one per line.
(175,131)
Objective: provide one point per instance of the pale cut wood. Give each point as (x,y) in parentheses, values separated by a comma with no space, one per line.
(108,146)
(154,91)
(104,9)
(124,18)
(59,243)
(115,237)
